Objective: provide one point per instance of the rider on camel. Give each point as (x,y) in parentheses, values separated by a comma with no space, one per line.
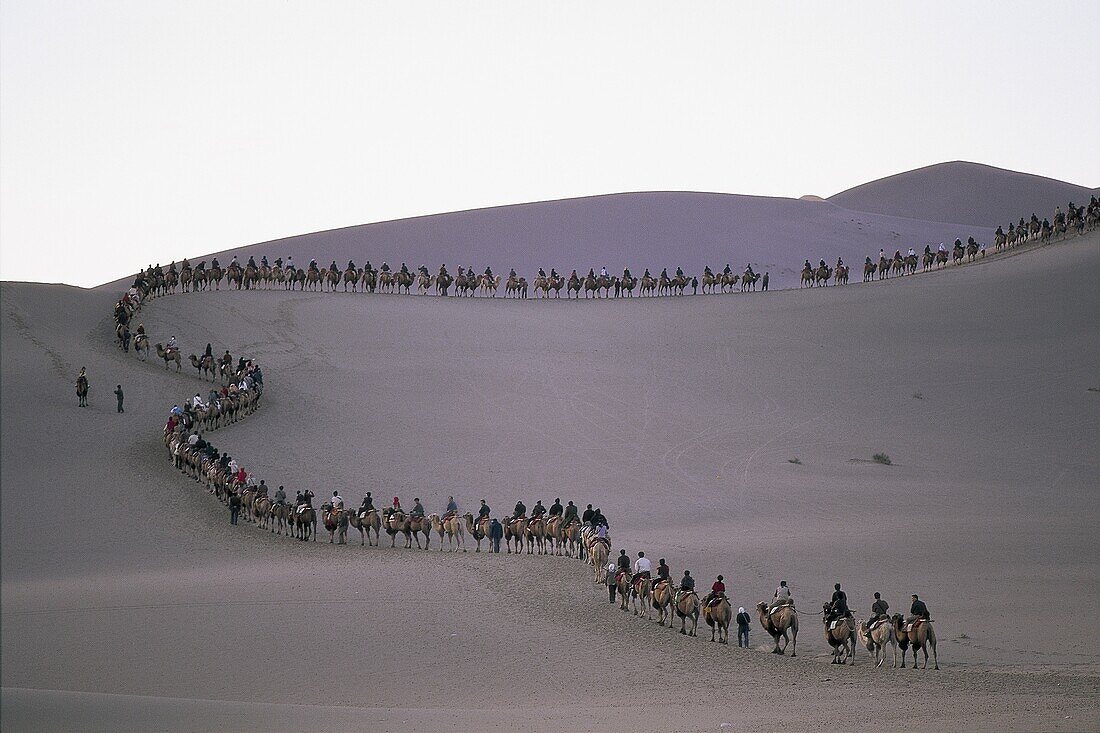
(452,508)
(570,515)
(538,510)
(718,590)
(519,511)
(556,508)
(642,566)
(417,510)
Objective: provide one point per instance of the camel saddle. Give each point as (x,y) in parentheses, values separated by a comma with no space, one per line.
(872,625)
(715,600)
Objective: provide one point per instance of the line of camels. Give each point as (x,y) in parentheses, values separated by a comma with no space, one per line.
(645,596)
(368,279)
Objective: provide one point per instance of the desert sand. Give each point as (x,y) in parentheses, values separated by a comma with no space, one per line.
(130,603)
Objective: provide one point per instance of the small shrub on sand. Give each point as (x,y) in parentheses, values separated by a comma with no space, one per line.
(795,461)
(881,458)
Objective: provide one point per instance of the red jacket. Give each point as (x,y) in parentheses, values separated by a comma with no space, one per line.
(718,587)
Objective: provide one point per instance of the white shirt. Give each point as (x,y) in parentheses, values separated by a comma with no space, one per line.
(193,439)
(603,271)
(233,466)
(642,565)
(782,592)
(912,251)
(197,402)
(337,500)
(601,532)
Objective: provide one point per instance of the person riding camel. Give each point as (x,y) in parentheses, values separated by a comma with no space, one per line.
(603,272)
(839,263)
(586,517)
(337,500)
(717,590)
(646,274)
(838,605)
(385,266)
(252,262)
(312,266)
(867,261)
(664,273)
(622,563)
(749,272)
(263,261)
(728,271)
(418,509)
(679,272)
(512,274)
(299,500)
(591,272)
(404,269)
(233,262)
(519,511)
(626,274)
(423,270)
(489,272)
(707,272)
(351,265)
(782,596)
(484,511)
(570,515)
(879,609)
(687,583)
(367,267)
(537,510)
(171,347)
(443,270)
(280,497)
(396,506)
(332,267)
(553,274)
(542,272)
(452,508)
(368,503)
(663,572)
(918,611)
(941,248)
(599,520)
(556,508)
(821,263)
(642,567)
(289,264)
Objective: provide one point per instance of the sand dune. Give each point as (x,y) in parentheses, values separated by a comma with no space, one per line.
(129,602)
(968,193)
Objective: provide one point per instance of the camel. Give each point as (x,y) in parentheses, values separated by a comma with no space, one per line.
(919,635)
(141,346)
(535,534)
(443,283)
(571,538)
(710,280)
(729,281)
(661,594)
(840,277)
(488,285)
(822,275)
(205,366)
(808,278)
(649,285)
(958,252)
(261,511)
(749,281)
(591,285)
(972,248)
(941,258)
(597,556)
(687,607)
(366,522)
(281,516)
(82,390)
(314,279)
(627,285)
(841,635)
(624,583)
(172,355)
(513,532)
(574,286)
(336,522)
(404,282)
(478,530)
(717,614)
(395,521)
(778,622)
(351,276)
(928,260)
(419,525)
(641,595)
(876,638)
(450,525)
(883,268)
(305,523)
(516,287)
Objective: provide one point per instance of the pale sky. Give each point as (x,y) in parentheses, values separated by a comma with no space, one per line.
(146,131)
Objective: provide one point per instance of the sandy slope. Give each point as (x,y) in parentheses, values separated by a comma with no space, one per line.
(636,230)
(960,191)
(130,603)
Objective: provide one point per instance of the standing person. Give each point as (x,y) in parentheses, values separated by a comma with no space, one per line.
(234,507)
(496,534)
(611,580)
(743,622)
(764,286)
(694,285)
(118,394)
(587,515)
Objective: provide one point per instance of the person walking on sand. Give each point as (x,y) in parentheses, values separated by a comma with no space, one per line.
(496,534)
(234,507)
(611,581)
(764,283)
(118,394)
(743,623)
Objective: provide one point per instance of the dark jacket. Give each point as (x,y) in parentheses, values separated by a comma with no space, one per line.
(496,530)
(840,602)
(587,515)
(880,607)
(919,609)
(623,562)
(743,619)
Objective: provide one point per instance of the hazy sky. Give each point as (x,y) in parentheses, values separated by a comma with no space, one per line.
(137,132)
